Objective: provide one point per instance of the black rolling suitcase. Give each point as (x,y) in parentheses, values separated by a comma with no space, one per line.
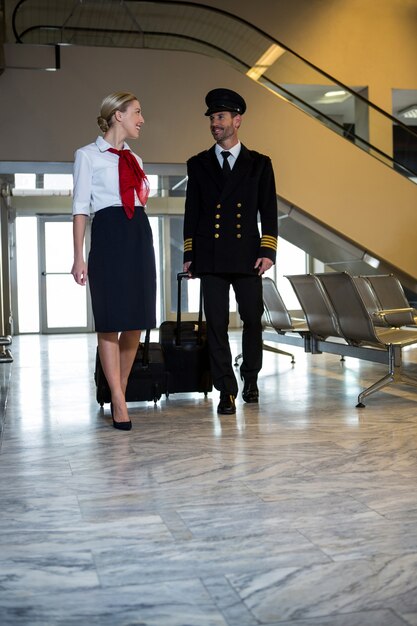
(147,379)
(185,350)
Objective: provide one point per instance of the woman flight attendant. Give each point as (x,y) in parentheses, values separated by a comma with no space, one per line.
(109,182)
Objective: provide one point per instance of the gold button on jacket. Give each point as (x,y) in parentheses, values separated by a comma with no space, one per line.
(230,239)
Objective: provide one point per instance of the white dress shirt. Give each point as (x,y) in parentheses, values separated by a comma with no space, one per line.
(234,153)
(96,178)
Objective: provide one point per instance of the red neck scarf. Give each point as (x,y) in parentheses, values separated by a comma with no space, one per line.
(131,178)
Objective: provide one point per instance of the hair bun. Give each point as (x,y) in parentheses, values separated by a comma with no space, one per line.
(103,124)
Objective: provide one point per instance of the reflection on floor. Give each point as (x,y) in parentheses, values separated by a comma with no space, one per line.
(301,510)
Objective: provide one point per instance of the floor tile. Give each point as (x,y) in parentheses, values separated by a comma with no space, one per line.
(298,511)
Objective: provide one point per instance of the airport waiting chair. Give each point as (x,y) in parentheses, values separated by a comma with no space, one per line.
(357,326)
(277,316)
(370,300)
(397,310)
(396,318)
(319,313)
(390,295)
(318,310)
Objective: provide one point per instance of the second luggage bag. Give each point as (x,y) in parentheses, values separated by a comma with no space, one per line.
(147,378)
(185,350)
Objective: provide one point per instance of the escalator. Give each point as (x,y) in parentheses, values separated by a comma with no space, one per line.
(361,212)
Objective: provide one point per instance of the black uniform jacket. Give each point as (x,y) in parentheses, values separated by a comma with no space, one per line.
(221,217)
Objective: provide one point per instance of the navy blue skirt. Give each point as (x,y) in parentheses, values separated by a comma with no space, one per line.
(121,271)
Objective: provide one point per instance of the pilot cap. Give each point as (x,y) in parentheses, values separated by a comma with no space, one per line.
(224,100)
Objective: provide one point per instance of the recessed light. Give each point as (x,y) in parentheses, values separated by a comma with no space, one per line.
(409,112)
(334,94)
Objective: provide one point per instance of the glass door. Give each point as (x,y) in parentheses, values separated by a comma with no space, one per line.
(65,307)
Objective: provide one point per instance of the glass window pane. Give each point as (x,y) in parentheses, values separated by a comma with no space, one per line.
(58,246)
(176,255)
(27,274)
(65,302)
(25,181)
(58,181)
(153,181)
(154,222)
(290,260)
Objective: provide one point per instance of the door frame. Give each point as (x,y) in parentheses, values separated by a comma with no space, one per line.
(43,318)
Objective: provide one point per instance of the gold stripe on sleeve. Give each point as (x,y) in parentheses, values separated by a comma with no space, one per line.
(188,245)
(268,241)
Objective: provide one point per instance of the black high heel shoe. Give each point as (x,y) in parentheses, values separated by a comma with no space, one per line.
(120,425)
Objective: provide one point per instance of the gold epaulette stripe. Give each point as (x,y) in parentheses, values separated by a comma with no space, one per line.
(268,241)
(188,245)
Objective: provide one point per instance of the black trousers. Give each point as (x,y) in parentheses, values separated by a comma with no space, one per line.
(248,292)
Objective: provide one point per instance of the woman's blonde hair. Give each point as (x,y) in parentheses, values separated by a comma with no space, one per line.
(118,101)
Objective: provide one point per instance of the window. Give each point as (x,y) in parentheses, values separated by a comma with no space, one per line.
(27,274)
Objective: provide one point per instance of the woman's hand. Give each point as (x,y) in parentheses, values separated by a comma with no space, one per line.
(79,271)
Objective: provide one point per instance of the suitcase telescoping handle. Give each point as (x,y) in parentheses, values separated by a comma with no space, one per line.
(145,354)
(180,276)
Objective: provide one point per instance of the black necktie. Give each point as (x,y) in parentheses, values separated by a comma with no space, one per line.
(226,165)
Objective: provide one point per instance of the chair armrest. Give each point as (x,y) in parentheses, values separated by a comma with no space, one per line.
(384,312)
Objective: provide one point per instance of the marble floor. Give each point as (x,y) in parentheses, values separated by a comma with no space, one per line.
(299,511)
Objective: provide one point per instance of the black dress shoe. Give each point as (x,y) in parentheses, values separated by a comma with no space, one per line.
(250,393)
(120,425)
(227,404)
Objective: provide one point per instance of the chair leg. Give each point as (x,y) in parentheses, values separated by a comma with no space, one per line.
(5,354)
(268,349)
(395,375)
(237,359)
(386,380)
(397,368)
(278,351)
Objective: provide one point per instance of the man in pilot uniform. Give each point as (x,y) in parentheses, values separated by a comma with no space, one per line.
(229,186)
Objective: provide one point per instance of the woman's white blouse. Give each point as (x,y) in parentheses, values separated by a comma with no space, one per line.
(96,178)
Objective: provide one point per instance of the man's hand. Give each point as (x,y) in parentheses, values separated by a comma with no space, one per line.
(263,265)
(186,268)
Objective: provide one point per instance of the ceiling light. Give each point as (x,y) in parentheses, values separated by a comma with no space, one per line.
(370,260)
(409,112)
(334,94)
(266,60)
